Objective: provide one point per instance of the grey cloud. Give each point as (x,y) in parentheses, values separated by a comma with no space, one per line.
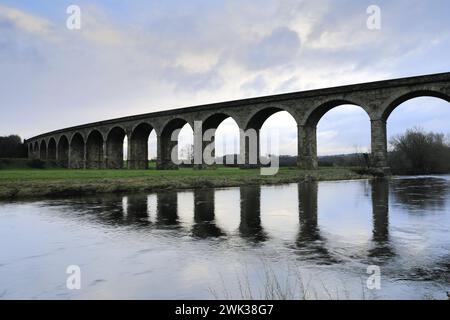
(257,84)
(278,48)
(192,81)
(289,85)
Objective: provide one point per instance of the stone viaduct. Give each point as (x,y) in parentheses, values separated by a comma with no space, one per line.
(100,144)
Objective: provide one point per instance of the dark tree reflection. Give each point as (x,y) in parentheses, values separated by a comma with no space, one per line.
(425,194)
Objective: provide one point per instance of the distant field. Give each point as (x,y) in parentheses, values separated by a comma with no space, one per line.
(23,183)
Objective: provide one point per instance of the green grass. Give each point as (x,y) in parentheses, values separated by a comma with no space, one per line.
(71,174)
(17,175)
(22,183)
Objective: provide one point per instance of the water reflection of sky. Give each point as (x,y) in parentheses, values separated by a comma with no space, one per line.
(181,244)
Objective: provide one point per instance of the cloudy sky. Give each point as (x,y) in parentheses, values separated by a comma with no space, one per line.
(132,57)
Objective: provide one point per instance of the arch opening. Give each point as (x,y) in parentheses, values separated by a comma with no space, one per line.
(139,146)
(51,153)
(413,95)
(43,150)
(94,150)
(116,142)
(77,152)
(169,148)
(257,120)
(152,145)
(186,145)
(36,150)
(63,152)
(276,135)
(225,142)
(344,137)
(418,136)
(317,114)
(329,132)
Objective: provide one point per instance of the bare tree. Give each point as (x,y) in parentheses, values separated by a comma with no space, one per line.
(420,152)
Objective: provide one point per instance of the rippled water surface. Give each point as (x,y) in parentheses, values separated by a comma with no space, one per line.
(312,240)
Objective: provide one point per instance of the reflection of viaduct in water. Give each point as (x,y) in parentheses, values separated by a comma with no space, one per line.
(167,208)
(250,226)
(204,209)
(100,144)
(380,212)
(309,241)
(380,209)
(135,210)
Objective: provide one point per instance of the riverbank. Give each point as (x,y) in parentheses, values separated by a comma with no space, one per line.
(34,183)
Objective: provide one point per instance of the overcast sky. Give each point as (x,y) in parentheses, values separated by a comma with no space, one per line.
(134,57)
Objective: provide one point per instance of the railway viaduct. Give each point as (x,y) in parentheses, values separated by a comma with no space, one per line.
(100,144)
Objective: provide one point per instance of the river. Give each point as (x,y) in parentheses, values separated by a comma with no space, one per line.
(311,240)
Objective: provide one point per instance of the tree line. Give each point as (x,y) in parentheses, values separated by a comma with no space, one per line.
(12,147)
(414,152)
(420,152)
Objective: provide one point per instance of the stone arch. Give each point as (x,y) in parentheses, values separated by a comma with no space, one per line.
(36,149)
(314,116)
(114,147)
(43,150)
(307,130)
(77,151)
(63,151)
(250,143)
(168,145)
(172,124)
(258,118)
(211,124)
(51,152)
(144,123)
(138,144)
(212,121)
(379,127)
(394,103)
(94,150)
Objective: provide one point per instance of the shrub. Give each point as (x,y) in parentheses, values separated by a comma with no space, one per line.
(36,164)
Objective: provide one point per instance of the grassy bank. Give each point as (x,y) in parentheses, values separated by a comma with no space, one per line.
(26,183)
